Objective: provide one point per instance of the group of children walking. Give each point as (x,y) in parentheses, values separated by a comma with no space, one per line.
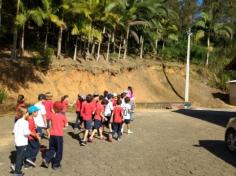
(47,119)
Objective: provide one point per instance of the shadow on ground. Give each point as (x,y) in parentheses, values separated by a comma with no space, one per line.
(219,149)
(220,118)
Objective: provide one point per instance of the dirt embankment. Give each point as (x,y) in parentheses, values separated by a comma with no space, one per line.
(150,80)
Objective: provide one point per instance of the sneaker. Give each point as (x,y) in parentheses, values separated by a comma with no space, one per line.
(56,167)
(27,166)
(119,139)
(90,140)
(130,132)
(83,143)
(45,163)
(13,167)
(30,162)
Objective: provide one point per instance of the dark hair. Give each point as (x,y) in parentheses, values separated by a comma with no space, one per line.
(42,97)
(20,99)
(105,93)
(101,97)
(64,97)
(104,101)
(109,96)
(119,102)
(127,99)
(131,90)
(89,98)
(122,95)
(118,97)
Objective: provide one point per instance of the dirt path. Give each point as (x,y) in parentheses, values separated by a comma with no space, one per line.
(163,143)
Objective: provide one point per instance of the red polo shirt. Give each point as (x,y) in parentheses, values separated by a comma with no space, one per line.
(117,117)
(99,110)
(87,111)
(48,107)
(78,105)
(59,122)
(32,128)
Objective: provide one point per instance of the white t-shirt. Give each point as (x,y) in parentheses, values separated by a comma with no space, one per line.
(21,132)
(108,109)
(39,118)
(126,111)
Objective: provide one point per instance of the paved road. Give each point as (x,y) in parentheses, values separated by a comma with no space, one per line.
(164,143)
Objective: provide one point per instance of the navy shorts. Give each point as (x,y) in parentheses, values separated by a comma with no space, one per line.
(97,124)
(88,124)
(127,121)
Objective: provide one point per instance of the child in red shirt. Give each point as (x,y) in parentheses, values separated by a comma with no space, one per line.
(117,119)
(59,122)
(34,138)
(65,103)
(99,117)
(48,103)
(20,104)
(78,106)
(87,112)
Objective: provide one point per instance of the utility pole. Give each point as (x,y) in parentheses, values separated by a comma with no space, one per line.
(187,67)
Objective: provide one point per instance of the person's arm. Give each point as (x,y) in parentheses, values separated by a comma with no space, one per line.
(112,116)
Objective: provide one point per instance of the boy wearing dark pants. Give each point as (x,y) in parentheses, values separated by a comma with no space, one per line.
(117,119)
(34,145)
(87,112)
(59,122)
(21,132)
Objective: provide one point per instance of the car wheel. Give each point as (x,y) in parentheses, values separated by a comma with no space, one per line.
(230,140)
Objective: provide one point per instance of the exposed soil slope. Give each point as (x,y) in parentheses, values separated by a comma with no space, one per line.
(151,82)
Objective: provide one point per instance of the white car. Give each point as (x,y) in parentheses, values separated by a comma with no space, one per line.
(230,135)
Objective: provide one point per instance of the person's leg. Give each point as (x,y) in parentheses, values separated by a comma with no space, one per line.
(52,149)
(76,120)
(114,129)
(20,156)
(59,151)
(119,130)
(93,133)
(35,149)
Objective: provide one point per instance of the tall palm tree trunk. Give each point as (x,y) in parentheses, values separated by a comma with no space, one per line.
(15,34)
(208,51)
(0,13)
(141,47)
(126,43)
(119,51)
(108,48)
(99,48)
(59,42)
(46,38)
(22,43)
(75,52)
(113,41)
(156,45)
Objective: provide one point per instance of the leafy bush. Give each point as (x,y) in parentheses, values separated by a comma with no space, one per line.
(45,59)
(3,95)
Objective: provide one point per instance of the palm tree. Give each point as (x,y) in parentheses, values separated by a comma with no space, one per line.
(0,14)
(208,27)
(15,34)
(36,15)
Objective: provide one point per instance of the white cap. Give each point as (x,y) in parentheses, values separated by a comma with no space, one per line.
(115,94)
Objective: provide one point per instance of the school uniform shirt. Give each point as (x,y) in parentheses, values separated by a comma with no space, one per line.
(108,109)
(32,128)
(21,132)
(99,110)
(87,111)
(117,114)
(39,118)
(48,107)
(59,122)
(126,111)
(78,105)
(65,105)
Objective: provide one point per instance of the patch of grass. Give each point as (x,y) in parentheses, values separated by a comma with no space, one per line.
(3,96)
